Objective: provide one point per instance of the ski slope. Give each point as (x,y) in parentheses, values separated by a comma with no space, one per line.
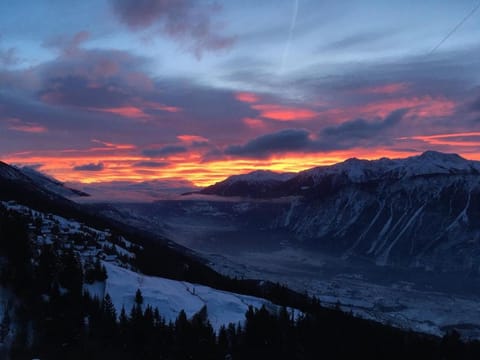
(170,297)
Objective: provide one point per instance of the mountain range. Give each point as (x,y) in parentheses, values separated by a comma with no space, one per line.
(420,211)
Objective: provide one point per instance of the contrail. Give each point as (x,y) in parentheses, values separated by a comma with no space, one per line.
(470,14)
(290,32)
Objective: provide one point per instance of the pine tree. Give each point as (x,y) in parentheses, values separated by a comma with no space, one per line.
(108,324)
(222,342)
(138,298)
(108,309)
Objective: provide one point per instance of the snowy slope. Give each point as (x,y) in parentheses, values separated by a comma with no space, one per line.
(171,296)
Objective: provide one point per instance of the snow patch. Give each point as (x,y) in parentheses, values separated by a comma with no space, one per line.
(170,297)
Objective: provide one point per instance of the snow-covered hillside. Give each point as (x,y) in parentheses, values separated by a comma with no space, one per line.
(171,296)
(116,253)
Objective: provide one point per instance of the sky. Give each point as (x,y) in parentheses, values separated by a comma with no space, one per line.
(192,91)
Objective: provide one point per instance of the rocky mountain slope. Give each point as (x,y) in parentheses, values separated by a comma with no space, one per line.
(420,211)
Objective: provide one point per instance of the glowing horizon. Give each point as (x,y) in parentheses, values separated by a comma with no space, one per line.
(122,169)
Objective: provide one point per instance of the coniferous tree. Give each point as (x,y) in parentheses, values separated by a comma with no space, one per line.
(138,297)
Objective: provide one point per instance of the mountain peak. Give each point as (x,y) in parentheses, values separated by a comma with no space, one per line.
(437,155)
(261,175)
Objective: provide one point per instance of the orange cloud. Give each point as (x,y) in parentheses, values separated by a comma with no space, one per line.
(247,97)
(191,138)
(137,111)
(284,113)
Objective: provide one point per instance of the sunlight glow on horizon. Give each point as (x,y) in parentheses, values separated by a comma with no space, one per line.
(119,168)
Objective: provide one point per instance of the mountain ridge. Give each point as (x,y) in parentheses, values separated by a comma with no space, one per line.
(353,169)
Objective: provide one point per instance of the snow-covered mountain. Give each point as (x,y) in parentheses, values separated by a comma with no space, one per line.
(420,211)
(350,171)
(29,186)
(257,184)
(51,184)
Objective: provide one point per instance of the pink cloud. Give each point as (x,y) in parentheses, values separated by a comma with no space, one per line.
(284,113)
(254,123)
(28,127)
(247,97)
(463,139)
(385,89)
(191,138)
(125,111)
(422,107)
(162,107)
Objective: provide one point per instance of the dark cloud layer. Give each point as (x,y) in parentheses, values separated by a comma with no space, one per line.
(77,91)
(475,106)
(187,21)
(347,135)
(165,151)
(90,167)
(278,142)
(362,129)
(151,164)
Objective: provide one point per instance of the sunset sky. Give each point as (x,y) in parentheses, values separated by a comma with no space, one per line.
(196,90)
